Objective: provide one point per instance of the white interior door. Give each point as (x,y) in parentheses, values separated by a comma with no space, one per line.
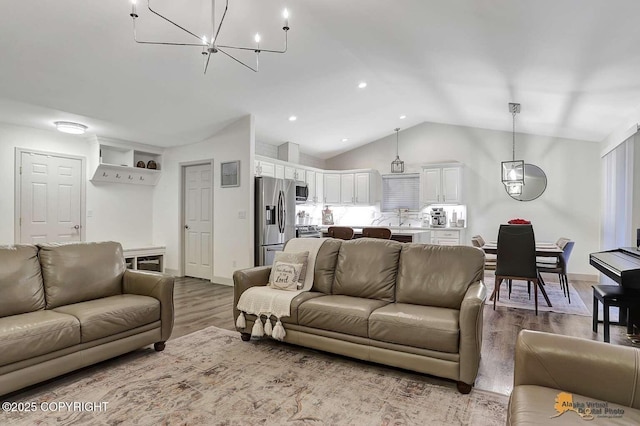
(198,226)
(50,198)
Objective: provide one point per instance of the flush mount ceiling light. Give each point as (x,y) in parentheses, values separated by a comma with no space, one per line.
(397,165)
(402,117)
(293,118)
(362,85)
(513,171)
(345,140)
(210,44)
(70,127)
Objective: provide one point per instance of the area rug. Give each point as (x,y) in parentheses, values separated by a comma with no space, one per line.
(520,297)
(211,377)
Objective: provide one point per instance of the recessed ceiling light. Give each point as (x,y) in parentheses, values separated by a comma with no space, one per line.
(293,118)
(70,127)
(345,140)
(402,117)
(362,85)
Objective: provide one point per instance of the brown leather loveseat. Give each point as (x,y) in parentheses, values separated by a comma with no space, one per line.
(414,306)
(67,306)
(562,380)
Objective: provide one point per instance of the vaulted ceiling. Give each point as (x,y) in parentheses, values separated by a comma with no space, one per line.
(574,65)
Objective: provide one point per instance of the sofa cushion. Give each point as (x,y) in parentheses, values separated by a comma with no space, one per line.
(425,327)
(37,333)
(342,314)
(367,268)
(534,405)
(77,272)
(20,280)
(434,275)
(112,315)
(325,269)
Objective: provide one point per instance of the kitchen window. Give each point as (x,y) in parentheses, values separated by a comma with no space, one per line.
(400,192)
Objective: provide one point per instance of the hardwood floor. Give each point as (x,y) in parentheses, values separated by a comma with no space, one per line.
(200,304)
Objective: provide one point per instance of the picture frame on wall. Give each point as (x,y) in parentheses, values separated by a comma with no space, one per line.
(230,174)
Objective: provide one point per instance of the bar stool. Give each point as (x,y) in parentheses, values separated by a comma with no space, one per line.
(626,299)
(341,232)
(384,233)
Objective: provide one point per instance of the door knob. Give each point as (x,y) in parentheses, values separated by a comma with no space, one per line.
(76,227)
(186,227)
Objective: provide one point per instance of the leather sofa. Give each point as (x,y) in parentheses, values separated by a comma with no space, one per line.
(67,306)
(556,374)
(413,306)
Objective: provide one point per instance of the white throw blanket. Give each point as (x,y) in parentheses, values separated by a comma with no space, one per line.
(263,300)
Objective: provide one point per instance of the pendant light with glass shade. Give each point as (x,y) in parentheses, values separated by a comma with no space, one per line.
(397,165)
(513,171)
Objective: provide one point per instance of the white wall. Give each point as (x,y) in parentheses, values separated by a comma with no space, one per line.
(232,236)
(569,207)
(120,212)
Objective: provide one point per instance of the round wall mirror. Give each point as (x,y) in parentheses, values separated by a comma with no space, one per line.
(535,182)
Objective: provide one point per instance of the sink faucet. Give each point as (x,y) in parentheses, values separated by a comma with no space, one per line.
(400,222)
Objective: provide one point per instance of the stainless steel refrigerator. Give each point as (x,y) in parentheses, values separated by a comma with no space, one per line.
(275,216)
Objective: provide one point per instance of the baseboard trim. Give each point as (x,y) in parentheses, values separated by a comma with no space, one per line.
(173,272)
(592,278)
(222,280)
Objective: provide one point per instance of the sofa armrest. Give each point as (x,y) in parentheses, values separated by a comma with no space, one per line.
(593,369)
(246,278)
(471,311)
(156,285)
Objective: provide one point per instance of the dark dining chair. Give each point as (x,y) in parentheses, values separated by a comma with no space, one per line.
(559,265)
(377,232)
(516,258)
(340,232)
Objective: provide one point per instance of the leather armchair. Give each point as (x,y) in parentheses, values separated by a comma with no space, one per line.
(547,364)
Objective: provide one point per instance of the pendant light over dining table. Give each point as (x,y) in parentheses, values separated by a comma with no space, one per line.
(513,171)
(397,165)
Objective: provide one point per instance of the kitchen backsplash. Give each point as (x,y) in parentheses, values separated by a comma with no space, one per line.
(369,215)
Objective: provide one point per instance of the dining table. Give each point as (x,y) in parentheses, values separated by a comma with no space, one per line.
(543,249)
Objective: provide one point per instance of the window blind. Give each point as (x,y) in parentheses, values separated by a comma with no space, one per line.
(400,192)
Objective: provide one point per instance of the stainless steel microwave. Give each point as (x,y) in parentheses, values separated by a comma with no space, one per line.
(302,192)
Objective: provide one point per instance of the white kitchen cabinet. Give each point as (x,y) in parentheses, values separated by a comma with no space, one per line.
(264,168)
(446,237)
(332,188)
(289,172)
(442,184)
(279,171)
(319,187)
(347,189)
(310,180)
(362,188)
(294,173)
(315,181)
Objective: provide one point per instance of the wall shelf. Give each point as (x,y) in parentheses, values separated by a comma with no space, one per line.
(117,164)
(123,174)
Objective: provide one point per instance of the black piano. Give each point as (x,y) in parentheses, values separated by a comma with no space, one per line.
(621,265)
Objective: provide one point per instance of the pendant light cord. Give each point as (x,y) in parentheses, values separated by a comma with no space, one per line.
(513,145)
(397,130)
